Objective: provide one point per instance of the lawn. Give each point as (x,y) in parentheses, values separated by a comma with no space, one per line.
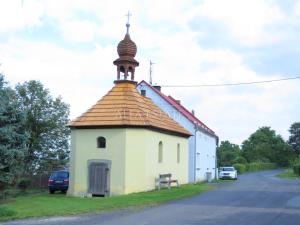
(44,204)
(288,173)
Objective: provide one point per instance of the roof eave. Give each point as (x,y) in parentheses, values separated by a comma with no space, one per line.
(131,126)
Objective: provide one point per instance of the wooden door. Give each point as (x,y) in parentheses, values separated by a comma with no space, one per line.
(98,178)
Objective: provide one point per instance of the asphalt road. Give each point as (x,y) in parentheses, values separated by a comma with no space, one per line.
(256,198)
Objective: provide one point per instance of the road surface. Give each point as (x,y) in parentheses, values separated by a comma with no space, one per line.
(255,198)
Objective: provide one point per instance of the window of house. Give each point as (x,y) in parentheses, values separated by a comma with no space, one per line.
(178,153)
(101,142)
(143,92)
(160,152)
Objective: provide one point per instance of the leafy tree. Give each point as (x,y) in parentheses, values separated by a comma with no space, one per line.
(264,145)
(46,120)
(294,139)
(12,135)
(227,153)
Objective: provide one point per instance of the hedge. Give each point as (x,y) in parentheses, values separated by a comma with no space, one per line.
(296,169)
(24,183)
(260,166)
(241,168)
(256,166)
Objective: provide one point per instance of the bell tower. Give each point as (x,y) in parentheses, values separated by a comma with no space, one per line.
(126,63)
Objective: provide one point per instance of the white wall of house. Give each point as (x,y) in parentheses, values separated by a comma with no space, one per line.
(202,146)
(205,155)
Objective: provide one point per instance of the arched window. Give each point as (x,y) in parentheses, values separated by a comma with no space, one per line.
(178,153)
(101,142)
(160,152)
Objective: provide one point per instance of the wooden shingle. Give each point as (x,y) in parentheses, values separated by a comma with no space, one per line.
(124,106)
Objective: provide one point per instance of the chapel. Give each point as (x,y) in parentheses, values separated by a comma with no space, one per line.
(123,142)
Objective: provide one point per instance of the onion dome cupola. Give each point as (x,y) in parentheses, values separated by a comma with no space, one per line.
(126,63)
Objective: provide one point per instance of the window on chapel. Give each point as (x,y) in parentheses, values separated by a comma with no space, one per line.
(101,142)
(160,152)
(178,153)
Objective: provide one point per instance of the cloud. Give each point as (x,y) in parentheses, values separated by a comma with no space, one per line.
(80,78)
(248,21)
(162,32)
(15,15)
(297,8)
(234,112)
(79,31)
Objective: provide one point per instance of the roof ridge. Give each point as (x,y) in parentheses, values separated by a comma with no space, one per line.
(176,105)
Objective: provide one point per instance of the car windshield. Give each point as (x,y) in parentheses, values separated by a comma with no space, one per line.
(59,175)
(228,169)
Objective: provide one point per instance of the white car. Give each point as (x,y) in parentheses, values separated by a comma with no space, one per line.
(228,172)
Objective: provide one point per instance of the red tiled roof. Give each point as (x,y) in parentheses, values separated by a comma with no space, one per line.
(181,109)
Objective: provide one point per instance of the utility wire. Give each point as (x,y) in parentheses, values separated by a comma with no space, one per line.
(233,84)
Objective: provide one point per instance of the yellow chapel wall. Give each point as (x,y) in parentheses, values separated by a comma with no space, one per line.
(84,148)
(142,166)
(134,158)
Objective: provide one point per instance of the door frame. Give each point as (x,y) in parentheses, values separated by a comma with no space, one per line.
(108,163)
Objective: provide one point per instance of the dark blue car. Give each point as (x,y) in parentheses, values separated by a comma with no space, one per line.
(58,181)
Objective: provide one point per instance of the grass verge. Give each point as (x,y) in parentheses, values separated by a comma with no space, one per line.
(58,205)
(221,181)
(289,174)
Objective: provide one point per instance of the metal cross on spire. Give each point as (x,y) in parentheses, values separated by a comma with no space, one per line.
(128,24)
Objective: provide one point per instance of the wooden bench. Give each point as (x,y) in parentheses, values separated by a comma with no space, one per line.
(165,179)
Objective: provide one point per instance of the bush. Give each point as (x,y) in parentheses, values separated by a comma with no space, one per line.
(6,212)
(241,168)
(239,160)
(297,160)
(256,166)
(296,169)
(24,183)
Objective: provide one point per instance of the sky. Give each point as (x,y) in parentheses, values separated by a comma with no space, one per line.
(70,45)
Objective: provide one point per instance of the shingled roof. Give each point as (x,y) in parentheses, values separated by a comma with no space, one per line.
(124,106)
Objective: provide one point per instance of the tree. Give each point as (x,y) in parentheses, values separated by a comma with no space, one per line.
(46,120)
(294,139)
(12,135)
(227,153)
(264,145)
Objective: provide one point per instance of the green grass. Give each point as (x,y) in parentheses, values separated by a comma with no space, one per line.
(289,174)
(221,181)
(15,192)
(58,204)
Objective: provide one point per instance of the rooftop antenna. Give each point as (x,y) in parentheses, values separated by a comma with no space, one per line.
(128,24)
(150,78)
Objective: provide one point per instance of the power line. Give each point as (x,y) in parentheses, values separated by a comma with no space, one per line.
(233,84)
